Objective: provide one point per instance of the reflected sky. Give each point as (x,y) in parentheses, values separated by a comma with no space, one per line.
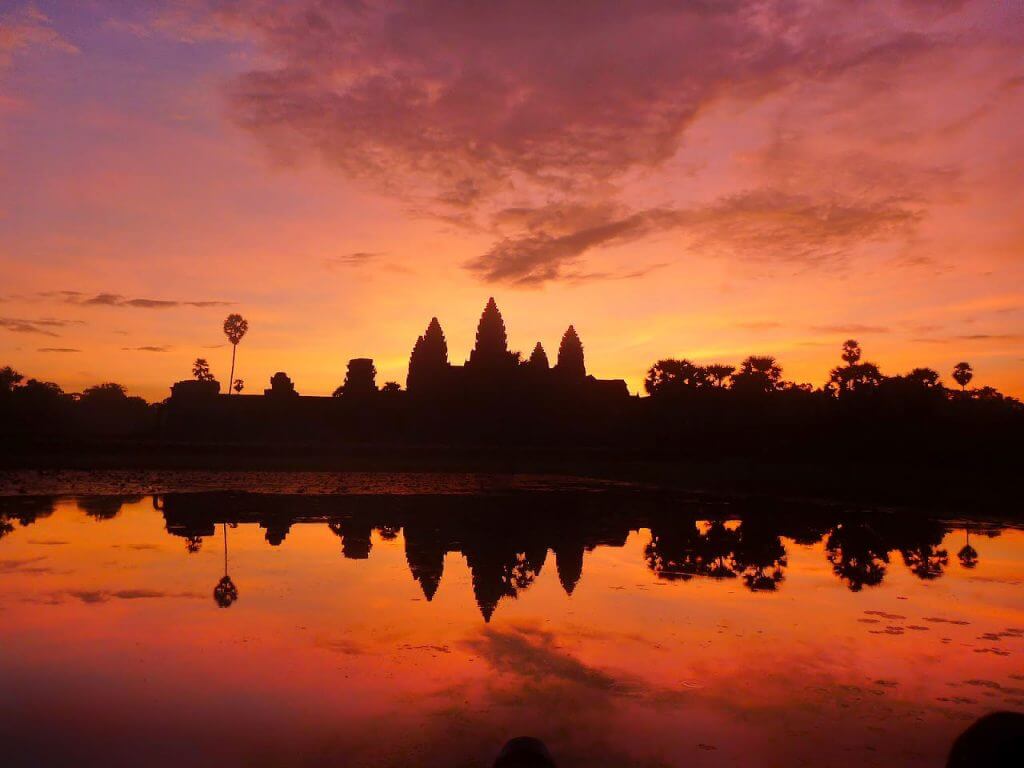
(621,627)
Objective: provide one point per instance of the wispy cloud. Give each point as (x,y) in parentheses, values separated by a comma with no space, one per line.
(118,300)
(25,565)
(355,259)
(23,326)
(763,224)
(57,349)
(850,328)
(42,326)
(146,349)
(26,29)
(990,337)
(93,597)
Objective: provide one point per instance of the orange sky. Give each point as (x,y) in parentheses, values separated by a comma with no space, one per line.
(675,181)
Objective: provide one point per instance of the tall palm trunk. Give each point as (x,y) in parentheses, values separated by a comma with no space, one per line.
(231,381)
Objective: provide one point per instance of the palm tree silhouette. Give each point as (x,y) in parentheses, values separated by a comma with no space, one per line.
(225,593)
(962,374)
(851,352)
(235,327)
(718,373)
(968,555)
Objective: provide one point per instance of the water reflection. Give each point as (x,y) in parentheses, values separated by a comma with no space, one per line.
(24,510)
(506,539)
(623,627)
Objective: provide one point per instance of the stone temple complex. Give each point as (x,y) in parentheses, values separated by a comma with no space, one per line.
(494,370)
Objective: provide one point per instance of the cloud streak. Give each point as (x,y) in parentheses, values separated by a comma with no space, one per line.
(43,326)
(850,328)
(118,300)
(356,259)
(94,597)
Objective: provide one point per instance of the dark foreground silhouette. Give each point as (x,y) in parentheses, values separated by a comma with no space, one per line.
(859,423)
(994,741)
(524,752)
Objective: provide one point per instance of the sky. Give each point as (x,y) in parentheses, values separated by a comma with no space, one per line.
(677,179)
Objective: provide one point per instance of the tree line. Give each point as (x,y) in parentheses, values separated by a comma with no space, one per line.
(762,374)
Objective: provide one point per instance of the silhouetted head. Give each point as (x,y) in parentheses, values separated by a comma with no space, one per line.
(994,741)
(524,752)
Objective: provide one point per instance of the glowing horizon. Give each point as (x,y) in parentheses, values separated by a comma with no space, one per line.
(691,181)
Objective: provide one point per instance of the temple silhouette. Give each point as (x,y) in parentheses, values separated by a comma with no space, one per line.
(496,395)
(492,372)
(492,369)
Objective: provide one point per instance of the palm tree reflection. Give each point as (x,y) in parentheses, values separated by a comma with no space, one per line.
(968,555)
(225,593)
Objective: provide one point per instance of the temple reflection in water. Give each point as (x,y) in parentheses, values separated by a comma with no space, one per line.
(507,539)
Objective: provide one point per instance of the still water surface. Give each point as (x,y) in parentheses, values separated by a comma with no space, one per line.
(425,627)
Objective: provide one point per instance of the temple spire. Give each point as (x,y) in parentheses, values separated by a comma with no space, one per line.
(428,362)
(539,358)
(570,356)
(491,341)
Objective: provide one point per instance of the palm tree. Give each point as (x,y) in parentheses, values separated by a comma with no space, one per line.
(235,327)
(718,373)
(671,375)
(758,373)
(962,374)
(851,352)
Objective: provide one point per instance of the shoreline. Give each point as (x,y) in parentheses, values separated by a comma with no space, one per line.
(948,487)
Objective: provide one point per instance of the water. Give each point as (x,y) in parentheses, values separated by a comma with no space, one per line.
(623,626)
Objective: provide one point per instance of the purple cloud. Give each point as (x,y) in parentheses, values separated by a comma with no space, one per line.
(530,120)
(26,29)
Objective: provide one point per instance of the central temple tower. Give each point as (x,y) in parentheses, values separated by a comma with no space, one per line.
(491,350)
